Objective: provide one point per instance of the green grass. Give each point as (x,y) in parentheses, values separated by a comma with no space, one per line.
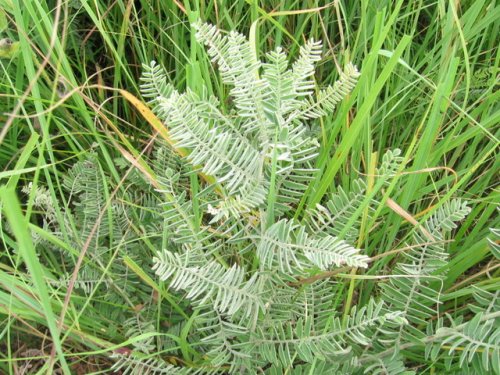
(429,86)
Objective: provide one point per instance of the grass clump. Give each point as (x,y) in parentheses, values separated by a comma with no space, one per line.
(287,214)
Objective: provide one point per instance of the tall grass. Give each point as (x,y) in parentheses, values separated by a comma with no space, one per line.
(429,86)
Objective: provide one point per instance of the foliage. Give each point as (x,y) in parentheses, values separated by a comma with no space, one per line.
(273,225)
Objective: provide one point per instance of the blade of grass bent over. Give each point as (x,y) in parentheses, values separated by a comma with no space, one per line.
(14,215)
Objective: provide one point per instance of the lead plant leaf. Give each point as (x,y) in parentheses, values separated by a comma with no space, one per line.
(154,84)
(135,327)
(284,343)
(225,340)
(471,345)
(179,219)
(226,289)
(287,244)
(239,68)
(133,364)
(477,342)
(232,159)
(303,68)
(333,216)
(327,99)
(494,242)
(416,286)
(281,99)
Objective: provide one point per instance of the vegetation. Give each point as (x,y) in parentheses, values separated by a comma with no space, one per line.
(249,203)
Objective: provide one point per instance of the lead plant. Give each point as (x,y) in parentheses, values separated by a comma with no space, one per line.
(246,266)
